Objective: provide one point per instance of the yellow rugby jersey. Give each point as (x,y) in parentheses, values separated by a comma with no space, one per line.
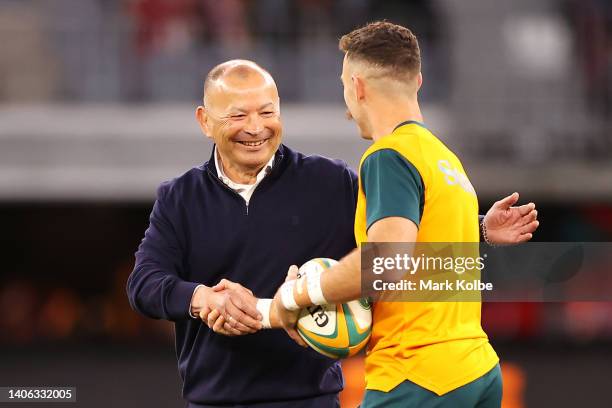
(437,345)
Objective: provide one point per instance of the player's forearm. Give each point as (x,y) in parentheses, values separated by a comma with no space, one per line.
(339,284)
(342,282)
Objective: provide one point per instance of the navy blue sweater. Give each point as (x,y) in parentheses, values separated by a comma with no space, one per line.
(201,231)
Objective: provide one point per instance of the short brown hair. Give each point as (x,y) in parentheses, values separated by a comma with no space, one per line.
(386,45)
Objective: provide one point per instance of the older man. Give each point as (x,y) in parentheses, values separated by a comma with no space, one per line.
(240,218)
(253,208)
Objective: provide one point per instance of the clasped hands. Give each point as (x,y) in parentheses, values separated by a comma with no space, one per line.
(230,309)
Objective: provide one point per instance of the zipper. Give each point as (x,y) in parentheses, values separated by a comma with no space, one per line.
(246,206)
(276,160)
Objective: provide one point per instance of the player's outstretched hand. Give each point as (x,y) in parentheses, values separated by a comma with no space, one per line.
(287,319)
(508,225)
(233,309)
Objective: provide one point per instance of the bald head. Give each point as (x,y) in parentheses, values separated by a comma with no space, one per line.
(241,113)
(236,75)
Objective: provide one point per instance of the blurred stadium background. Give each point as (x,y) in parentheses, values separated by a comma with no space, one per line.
(96,109)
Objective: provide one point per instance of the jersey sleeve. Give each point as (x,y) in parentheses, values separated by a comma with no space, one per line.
(393,187)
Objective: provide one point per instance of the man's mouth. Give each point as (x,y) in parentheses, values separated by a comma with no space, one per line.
(253,144)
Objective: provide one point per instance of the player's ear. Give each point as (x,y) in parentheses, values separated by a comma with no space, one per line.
(202,118)
(419,81)
(359,86)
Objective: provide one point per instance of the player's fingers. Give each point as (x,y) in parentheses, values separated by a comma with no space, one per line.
(231,331)
(524,237)
(526,209)
(239,287)
(236,324)
(531,217)
(238,316)
(506,202)
(529,228)
(292,273)
(247,304)
(239,327)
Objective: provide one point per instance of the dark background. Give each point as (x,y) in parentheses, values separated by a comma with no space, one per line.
(96,109)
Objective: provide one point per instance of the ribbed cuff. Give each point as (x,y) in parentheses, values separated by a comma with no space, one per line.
(189,308)
(178,303)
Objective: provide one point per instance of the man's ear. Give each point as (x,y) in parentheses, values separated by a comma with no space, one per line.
(419,81)
(359,85)
(202,119)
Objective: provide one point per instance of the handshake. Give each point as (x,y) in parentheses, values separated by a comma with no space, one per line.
(230,309)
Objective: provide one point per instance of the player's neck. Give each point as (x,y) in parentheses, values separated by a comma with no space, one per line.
(390,114)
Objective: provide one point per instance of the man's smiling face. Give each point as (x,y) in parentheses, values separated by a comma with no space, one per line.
(243,118)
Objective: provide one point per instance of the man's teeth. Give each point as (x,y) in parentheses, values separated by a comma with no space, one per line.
(259,143)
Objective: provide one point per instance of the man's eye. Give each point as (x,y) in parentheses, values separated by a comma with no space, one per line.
(238,116)
(267,113)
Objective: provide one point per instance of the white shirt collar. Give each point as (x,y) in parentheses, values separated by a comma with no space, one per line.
(245,190)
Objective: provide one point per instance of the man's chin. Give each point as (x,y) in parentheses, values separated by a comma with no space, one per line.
(256,159)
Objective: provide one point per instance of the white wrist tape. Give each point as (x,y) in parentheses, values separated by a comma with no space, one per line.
(263,307)
(315,293)
(286,291)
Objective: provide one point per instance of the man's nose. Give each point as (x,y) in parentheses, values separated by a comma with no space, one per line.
(254,125)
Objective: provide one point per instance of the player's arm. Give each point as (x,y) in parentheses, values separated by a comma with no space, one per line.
(342,282)
(338,284)
(395,194)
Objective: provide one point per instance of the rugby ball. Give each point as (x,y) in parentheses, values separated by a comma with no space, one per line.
(336,331)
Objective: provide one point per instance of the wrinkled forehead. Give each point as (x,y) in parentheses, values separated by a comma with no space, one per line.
(240,94)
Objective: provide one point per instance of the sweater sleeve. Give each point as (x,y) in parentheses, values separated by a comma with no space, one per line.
(155,287)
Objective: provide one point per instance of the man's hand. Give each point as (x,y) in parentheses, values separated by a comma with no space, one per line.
(507,225)
(228,308)
(217,323)
(281,317)
(242,319)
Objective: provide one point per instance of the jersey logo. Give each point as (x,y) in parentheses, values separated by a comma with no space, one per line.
(454,176)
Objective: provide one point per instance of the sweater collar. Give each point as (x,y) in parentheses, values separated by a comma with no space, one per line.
(276,161)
